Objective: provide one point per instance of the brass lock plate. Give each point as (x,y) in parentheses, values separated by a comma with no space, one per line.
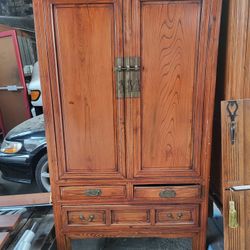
(127,77)
(132,77)
(119,69)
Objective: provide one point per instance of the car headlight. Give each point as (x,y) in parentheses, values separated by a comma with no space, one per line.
(35,94)
(32,143)
(10,147)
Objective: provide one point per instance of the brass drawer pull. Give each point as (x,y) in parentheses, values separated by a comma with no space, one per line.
(170,216)
(179,216)
(93,192)
(167,193)
(90,218)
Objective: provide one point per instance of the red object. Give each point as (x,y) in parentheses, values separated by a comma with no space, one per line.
(13,35)
(2,129)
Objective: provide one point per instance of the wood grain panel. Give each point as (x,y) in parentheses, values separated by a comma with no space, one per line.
(130,217)
(179,192)
(233,81)
(86,218)
(87,87)
(106,192)
(235,162)
(174,216)
(9,222)
(237,62)
(168,55)
(4,236)
(25,199)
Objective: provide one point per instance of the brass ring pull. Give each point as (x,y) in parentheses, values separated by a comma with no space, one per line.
(90,218)
(179,216)
(170,216)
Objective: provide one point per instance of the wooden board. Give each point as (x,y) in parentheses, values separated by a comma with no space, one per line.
(25,199)
(236,171)
(9,222)
(3,238)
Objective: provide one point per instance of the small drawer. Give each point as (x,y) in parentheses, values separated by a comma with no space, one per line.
(93,193)
(166,193)
(130,217)
(86,217)
(177,215)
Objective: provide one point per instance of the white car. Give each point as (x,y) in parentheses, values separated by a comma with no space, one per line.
(35,91)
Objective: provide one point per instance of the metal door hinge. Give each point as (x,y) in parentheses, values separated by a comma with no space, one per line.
(127,77)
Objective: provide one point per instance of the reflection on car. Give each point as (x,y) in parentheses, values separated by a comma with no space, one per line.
(23,154)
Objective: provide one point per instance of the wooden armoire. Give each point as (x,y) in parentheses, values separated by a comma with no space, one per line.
(128,91)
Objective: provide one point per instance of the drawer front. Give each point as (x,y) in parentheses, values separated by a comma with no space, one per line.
(177,215)
(86,217)
(127,216)
(93,193)
(130,217)
(167,193)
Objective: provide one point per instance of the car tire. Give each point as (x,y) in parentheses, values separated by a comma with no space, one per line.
(42,174)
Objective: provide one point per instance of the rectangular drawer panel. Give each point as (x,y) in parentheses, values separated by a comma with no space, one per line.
(93,193)
(130,217)
(177,215)
(167,193)
(86,217)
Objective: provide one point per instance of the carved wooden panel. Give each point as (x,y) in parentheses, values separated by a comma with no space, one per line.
(89,130)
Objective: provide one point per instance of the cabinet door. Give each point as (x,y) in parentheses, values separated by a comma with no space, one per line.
(84,38)
(170,39)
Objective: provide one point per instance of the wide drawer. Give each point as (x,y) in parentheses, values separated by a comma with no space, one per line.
(93,193)
(85,217)
(177,215)
(166,193)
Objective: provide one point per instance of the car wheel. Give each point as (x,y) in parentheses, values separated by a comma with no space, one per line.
(42,174)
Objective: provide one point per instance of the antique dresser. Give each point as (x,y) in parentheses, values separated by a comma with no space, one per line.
(128,92)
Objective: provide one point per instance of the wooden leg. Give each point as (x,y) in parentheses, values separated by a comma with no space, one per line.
(199,242)
(62,242)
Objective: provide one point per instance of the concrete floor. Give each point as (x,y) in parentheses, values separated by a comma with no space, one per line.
(8,188)
(132,244)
